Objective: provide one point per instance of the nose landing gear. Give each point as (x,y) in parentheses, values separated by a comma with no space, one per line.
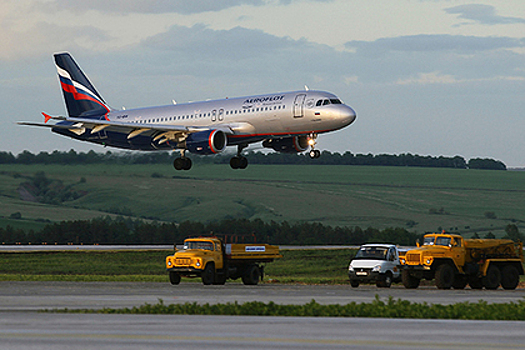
(314,153)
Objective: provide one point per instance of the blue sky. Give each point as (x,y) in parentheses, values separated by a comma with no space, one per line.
(425,77)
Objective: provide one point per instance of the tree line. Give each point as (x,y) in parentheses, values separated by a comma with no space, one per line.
(327,158)
(126,231)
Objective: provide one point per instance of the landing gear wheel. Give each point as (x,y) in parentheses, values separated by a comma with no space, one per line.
(238,162)
(314,153)
(182,164)
(174,278)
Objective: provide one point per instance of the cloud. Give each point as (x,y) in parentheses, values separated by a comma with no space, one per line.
(157,7)
(482,14)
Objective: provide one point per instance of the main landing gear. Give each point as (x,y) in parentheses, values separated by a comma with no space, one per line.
(314,153)
(182,163)
(238,161)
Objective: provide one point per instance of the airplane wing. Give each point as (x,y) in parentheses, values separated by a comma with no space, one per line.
(160,132)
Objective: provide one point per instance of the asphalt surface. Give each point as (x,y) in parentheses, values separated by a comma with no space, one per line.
(34,296)
(23,327)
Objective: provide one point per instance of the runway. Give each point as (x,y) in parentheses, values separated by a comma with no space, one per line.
(22,327)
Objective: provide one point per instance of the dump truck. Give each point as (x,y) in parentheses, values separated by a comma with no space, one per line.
(215,261)
(454,262)
(377,263)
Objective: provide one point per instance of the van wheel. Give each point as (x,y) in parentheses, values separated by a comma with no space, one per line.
(510,277)
(444,276)
(493,278)
(354,283)
(386,282)
(208,275)
(251,276)
(174,278)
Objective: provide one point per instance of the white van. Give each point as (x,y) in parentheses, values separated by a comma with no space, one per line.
(377,263)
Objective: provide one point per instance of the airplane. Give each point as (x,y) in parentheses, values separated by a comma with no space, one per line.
(284,121)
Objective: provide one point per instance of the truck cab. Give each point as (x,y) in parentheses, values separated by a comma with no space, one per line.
(377,263)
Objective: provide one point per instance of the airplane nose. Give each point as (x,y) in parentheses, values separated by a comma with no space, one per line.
(348,115)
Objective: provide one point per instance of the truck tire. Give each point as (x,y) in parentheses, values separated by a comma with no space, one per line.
(475,282)
(493,278)
(444,276)
(510,277)
(386,281)
(409,281)
(460,282)
(251,276)
(220,279)
(208,275)
(174,278)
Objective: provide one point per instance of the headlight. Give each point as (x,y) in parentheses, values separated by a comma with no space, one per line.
(402,261)
(198,263)
(428,261)
(377,268)
(169,262)
(351,268)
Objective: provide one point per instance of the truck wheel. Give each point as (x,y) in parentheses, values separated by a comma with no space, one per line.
(493,278)
(409,281)
(208,275)
(354,283)
(220,279)
(444,276)
(460,282)
(386,282)
(475,283)
(510,277)
(251,276)
(174,278)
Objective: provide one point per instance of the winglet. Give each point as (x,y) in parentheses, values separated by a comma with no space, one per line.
(46,117)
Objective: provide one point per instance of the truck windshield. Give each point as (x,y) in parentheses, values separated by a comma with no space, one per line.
(198,245)
(444,241)
(373,253)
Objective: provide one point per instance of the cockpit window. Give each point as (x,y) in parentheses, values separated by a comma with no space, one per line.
(336,101)
(320,102)
(326,102)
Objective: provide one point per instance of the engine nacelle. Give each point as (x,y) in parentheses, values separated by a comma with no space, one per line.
(294,144)
(206,142)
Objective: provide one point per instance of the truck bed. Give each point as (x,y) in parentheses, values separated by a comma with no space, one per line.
(253,251)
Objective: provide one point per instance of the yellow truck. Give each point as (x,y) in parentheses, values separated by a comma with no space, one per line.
(215,261)
(454,262)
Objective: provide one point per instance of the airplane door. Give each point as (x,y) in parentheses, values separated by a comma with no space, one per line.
(298,106)
(221,114)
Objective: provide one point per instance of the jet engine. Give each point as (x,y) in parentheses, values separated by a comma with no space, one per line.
(206,142)
(294,144)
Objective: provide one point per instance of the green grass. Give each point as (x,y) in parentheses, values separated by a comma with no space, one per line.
(362,196)
(296,266)
(513,311)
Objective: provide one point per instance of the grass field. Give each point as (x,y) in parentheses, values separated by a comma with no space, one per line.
(296,266)
(362,196)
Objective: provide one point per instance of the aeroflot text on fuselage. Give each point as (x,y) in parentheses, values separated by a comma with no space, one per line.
(292,125)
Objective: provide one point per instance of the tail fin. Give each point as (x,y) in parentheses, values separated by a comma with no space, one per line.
(81,97)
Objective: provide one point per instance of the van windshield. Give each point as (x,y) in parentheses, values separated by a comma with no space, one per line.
(198,245)
(375,253)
